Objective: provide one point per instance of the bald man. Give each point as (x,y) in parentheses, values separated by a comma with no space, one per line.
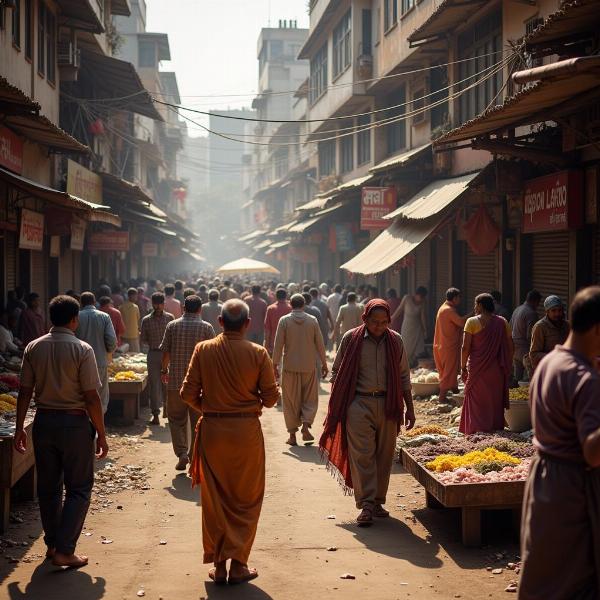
(229,381)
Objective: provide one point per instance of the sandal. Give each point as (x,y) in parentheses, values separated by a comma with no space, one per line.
(365,518)
(249,576)
(212,574)
(380,512)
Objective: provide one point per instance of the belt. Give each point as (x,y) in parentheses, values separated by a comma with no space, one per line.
(372,394)
(79,412)
(229,415)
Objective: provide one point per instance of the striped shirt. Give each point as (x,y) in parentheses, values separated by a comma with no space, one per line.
(180,339)
(153,329)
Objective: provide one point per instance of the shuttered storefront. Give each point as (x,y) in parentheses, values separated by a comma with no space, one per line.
(481,276)
(550,263)
(597,255)
(65,271)
(443,268)
(10,259)
(423,266)
(38,275)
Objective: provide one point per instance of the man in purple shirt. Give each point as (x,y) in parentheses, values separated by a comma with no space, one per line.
(258,312)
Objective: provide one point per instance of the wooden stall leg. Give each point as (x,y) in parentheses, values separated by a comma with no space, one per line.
(471,526)
(4,508)
(431,501)
(137,406)
(28,484)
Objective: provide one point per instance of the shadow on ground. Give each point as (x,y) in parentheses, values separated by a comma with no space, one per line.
(245,591)
(308,454)
(181,488)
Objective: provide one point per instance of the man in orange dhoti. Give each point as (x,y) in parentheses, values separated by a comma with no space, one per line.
(229,381)
(447,342)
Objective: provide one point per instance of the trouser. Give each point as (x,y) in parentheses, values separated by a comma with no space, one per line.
(104,390)
(64,456)
(257,338)
(518,369)
(371,446)
(134,343)
(179,412)
(300,396)
(156,388)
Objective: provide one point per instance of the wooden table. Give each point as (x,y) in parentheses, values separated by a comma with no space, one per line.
(126,394)
(15,467)
(471,498)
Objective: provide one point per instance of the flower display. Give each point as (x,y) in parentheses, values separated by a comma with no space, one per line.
(450,462)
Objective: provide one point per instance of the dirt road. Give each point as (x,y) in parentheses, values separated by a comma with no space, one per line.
(147,538)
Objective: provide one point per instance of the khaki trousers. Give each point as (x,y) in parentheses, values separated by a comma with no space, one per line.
(300,396)
(179,413)
(371,447)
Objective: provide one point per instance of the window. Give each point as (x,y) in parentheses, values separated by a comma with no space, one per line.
(41,38)
(29,29)
(363,140)
(390,14)
(482,44)
(407,5)
(275,49)
(439,90)
(396,131)
(342,49)
(147,54)
(367,33)
(326,158)
(347,153)
(418,104)
(51,46)
(16,24)
(318,75)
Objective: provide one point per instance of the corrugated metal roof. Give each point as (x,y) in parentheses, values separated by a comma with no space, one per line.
(262,245)
(79,14)
(524,107)
(283,244)
(252,235)
(316,204)
(304,225)
(399,160)
(433,198)
(390,246)
(120,7)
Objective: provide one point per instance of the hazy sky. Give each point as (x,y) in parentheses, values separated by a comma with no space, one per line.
(213,44)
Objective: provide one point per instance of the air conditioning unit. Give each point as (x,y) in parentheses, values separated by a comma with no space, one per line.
(69,60)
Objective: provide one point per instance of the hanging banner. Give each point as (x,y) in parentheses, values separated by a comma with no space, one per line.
(150,249)
(83,183)
(55,246)
(108,241)
(376,203)
(31,235)
(553,202)
(78,227)
(11,151)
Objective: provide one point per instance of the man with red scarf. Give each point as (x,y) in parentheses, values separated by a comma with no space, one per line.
(370,399)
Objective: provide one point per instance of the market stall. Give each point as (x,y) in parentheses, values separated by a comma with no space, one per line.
(128,377)
(485,471)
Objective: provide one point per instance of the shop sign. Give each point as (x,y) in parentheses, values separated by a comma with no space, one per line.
(108,241)
(376,203)
(343,238)
(78,227)
(31,235)
(150,249)
(553,202)
(11,150)
(83,183)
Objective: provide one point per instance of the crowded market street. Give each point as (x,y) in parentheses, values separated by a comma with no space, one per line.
(416,554)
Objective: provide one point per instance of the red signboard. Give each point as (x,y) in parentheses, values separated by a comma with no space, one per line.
(108,241)
(376,203)
(31,236)
(553,202)
(11,150)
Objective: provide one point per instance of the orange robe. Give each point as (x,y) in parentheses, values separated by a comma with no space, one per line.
(447,342)
(229,374)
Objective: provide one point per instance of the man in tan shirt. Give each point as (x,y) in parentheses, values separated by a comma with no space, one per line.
(299,343)
(62,371)
(349,316)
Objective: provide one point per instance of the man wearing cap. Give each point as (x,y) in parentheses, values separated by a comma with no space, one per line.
(550,331)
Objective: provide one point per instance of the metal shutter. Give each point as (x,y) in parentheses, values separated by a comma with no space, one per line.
(550,264)
(481,275)
(423,266)
(65,271)
(442,268)
(38,275)
(10,254)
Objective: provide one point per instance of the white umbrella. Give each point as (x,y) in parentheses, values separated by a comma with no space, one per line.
(247,265)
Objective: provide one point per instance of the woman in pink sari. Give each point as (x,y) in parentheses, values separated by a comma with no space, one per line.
(486,363)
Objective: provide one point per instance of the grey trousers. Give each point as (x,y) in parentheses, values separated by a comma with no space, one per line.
(156,388)
(64,457)
(371,447)
(182,417)
(104,390)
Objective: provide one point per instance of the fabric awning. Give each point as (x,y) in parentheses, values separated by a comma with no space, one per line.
(400,160)
(93,212)
(79,14)
(118,79)
(390,246)
(433,198)
(247,265)
(446,17)
(528,106)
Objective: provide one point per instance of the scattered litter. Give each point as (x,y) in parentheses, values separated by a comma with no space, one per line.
(332,517)
(332,549)
(347,576)
(162,543)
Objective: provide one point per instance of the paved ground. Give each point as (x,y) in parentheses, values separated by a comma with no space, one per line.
(414,554)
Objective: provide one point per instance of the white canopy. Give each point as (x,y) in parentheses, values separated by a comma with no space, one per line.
(247,265)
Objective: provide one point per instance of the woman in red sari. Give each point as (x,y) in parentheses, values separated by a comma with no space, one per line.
(486,362)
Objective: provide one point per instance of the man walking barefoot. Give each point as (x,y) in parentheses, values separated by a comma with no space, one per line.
(229,381)
(62,371)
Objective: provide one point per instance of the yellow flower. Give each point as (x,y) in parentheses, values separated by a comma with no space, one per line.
(450,462)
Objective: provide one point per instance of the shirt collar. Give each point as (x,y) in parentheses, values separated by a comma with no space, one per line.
(187,315)
(88,307)
(66,330)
